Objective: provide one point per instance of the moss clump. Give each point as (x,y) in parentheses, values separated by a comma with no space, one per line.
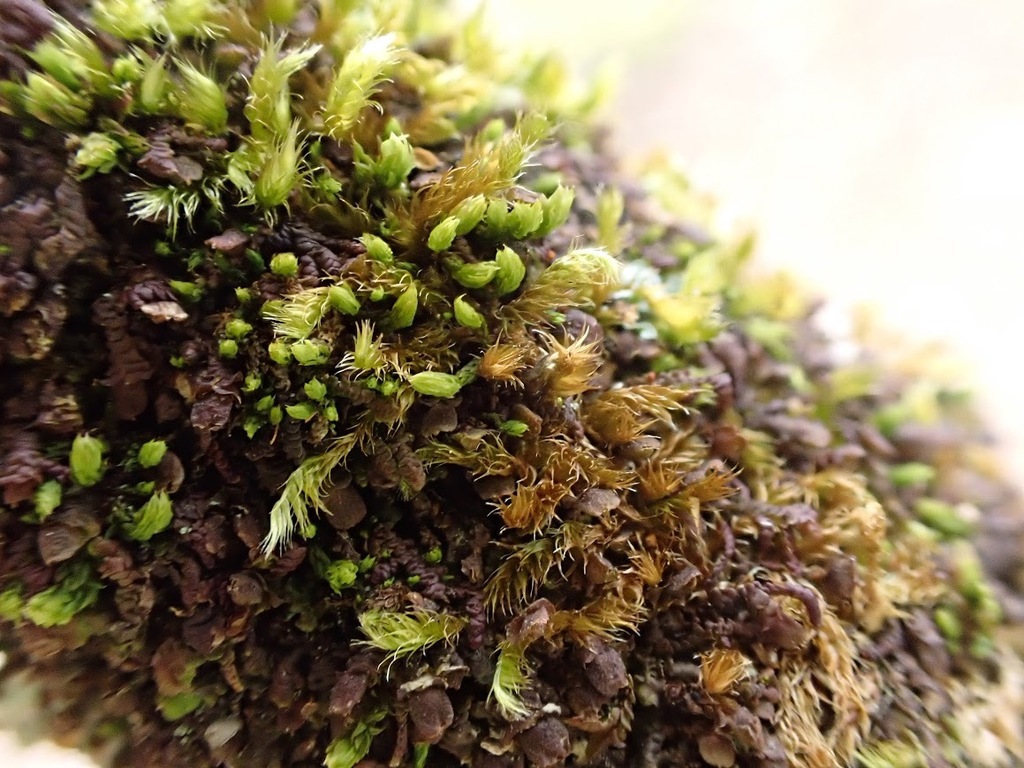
(357,412)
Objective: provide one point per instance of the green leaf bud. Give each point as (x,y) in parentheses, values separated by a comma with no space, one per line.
(557,207)
(274,415)
(511,271)
(127,69)
(948,623)
(404,310)
(910,474)
(152,453)
(279,352)
(185,18)
(514,428)
(279,174)
(11,604)
(367,355)
(497,218)
(475,275)
(53,103)
(494,130)
(341,575)
(180,704)
(154,92)
(186,290)
(151,518)
(284,265)
(202,101)
(942,517)
(435,384)
(343,299)
(264,404)
(303,411)
(127,19)
(227,348)
(86,460)
(469,213)
(330,412)
(47,498)
(251,383)
(310,352)
(98,154)
(466,314)
(243,295)
(396,161)
(74,591)
(377,248)
(525,218)
(315,389)
(237,328)
(252,426)
(281,11)
(443,235)
(433,556)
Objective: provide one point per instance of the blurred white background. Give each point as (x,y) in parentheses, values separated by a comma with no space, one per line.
(876,145)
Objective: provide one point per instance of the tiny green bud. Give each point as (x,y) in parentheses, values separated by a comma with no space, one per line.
(343,299)
(126,69)
(948,623)
(377,294)
(514,428)
(511,271)
(377,248)
(53,103)
(310,352)
(155,88)
(186,17)
(469,213)
(413,580)
(404,310)
(98,154)
(252,426)
(187,290)
(265,403)
(237,328)
(435,384)
(202,100)
(151,518)
(433,556)
(180,704)
(475,275)
(279,173)
(341,574)
(498,217)
(943,517)
(243,295)
(285,265)
(86,460)
(330,412)
(526,218)
(557,207)
(367,355)
(275,415)
(315,389)
(279,352)
(47,498)
(303,411)
(252,382)
(280,11)
(443,235)
(152,453)
(494,130)
(547,183)
(466,314)
(11,604)
(227,348)
(396,161)
(910,474)
(146,487)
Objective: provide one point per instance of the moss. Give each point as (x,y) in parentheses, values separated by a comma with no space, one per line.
(358,411)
